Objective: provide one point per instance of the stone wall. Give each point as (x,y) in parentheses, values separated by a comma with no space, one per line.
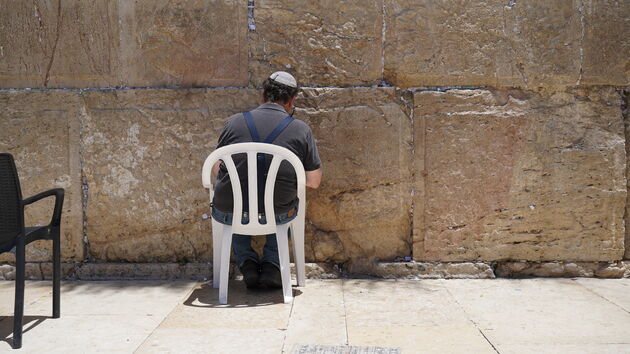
(450,131)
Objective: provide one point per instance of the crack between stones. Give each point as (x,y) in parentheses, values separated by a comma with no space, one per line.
(445,88)
(85,188)
(191,244)
(251,21)
(359,190)
(284,338)
(624,114)
(54,49)
(179,88)
(471,320)
(580,10)
(412,173)
(146,339)
(603,297)
(383,31)
(345,311)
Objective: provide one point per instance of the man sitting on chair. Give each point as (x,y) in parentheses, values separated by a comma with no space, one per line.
(271,123)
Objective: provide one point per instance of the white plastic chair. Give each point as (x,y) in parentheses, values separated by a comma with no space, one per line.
(222,234)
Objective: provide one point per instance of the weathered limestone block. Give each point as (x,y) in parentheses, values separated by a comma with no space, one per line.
(142,156)
(618,269)
(433,270)
(41,130)
(45,45)
(324,43)
(500,43)
(606,42)
(101,43)
(361,211)
(184,43)
(143,271)
(519,175)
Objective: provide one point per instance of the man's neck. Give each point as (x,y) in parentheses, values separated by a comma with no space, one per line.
(284,106)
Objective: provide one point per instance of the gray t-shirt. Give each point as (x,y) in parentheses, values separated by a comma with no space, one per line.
(297,137)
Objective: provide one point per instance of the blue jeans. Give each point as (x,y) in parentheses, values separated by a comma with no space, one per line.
(242,244)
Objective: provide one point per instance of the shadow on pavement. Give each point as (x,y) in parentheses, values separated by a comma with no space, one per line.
(28,323)
(238,296)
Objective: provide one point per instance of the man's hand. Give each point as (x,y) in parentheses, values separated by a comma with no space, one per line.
(313,178)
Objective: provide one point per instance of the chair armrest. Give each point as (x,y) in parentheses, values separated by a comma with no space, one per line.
(58,193)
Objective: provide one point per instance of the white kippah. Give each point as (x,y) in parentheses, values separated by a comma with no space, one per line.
(284,78)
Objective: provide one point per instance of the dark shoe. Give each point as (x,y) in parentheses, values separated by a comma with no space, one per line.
(270,276)
(251,274)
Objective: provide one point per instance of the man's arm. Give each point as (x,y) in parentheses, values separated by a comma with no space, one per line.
(215,172)
(313,178)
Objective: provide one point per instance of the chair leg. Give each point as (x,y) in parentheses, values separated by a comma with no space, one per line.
(297,236)
(19,295)
(217,236)
(283,255)
(56,275)
(226,245)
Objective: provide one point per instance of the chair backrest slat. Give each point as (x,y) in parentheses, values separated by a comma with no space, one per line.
(11,219)
(270,186)
(252,182)
(279,154)
(236,189)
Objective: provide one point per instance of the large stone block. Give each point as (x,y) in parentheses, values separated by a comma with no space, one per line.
(102,43)
(606,42)
(142,156)
(362,209)
(324,43)
(41,130)
(499,43)
(184,43)
(519,175)
(50,43)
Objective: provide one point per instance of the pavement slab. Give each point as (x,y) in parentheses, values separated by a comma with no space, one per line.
(143,297)
(318,316)
(525,313)
(416,316)
(616,291)
(337,316)
(33,291)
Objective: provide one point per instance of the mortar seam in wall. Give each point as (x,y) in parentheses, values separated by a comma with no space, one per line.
(251,27)
(412,89)
(413,172)
(251,20)
(580,10)
(624,117)
(84,184)
(383,30)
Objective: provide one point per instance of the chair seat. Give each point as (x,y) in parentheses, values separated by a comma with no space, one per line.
(35,233)
(7,246)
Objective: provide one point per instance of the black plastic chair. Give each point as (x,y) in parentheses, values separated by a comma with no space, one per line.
(13,234)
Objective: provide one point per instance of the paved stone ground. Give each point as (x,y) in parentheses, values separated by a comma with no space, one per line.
(413,316)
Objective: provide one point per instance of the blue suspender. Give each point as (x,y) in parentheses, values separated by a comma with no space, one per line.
(274,134)
(279,129)
(260,159)
(251,126)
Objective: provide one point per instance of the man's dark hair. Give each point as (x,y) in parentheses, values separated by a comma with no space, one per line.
(277,92)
